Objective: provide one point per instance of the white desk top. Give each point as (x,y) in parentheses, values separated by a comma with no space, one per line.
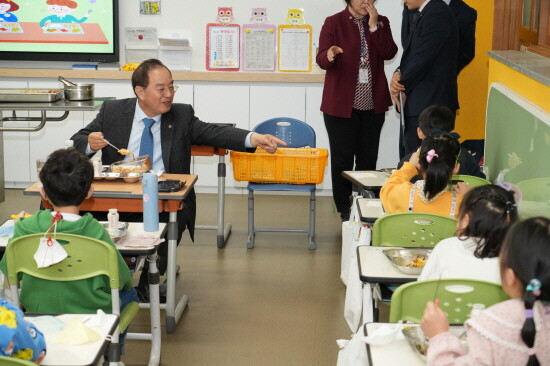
(77,355)
(370,209)
(397,353)
(134,229)
(375,267)
(367,179)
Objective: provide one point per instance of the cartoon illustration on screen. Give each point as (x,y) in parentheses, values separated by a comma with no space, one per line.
(259,16)
(225,15)
(295,17)
(60,10)
(6,9)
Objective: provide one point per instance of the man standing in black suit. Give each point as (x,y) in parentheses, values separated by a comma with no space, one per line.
(428,67)
(171,129)
(466,18)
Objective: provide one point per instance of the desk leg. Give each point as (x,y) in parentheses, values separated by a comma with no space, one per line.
(223,230)
(154,309)
(173,310)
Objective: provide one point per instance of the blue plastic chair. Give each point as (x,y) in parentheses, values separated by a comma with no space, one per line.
(296,134)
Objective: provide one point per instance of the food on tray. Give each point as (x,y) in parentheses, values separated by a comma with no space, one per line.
(41,91)
(415,261)
(125,152)
(140,164)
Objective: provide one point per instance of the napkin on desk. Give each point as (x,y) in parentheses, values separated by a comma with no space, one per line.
(140,241)
(76,332)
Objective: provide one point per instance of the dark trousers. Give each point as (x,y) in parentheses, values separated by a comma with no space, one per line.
(408,139)
(352,140)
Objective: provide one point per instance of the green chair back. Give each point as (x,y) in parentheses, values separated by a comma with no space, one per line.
(86,258)
(457,298)
(473,181)
(412,229)
(7,361)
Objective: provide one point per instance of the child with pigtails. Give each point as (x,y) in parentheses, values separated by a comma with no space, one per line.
(513,332)
(436,162)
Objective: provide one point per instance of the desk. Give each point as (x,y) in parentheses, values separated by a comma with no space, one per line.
(134,229)
(375,267)
(368,182)
(127,197)
(77,355)
(369,209)
(223,229)
(396,353)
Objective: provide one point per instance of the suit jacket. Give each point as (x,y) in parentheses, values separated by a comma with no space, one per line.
(466,17)
(429,61)
(341,76)
(180,129)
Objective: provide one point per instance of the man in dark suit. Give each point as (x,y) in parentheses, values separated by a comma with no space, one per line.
(174,128)
(466,18)
(428,67)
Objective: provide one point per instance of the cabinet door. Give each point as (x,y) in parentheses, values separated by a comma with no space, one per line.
(273,101)
(16,144)
(314,117)
(223,104)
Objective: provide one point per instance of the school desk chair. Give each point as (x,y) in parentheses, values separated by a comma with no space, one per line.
(412,229)
(457,298)
(296,134)
(81,263)
(471,180)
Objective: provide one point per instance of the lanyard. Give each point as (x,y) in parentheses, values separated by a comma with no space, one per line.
(48,234)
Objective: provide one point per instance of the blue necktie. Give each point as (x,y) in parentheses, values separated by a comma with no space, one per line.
(147,144)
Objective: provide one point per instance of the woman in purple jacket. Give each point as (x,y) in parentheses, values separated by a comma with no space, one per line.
(352,48)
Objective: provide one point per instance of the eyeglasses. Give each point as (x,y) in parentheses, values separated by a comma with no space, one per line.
(172,89)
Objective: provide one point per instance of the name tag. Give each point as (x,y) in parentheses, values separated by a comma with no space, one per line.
(363,75)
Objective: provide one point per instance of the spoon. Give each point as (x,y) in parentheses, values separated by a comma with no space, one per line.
(118,150)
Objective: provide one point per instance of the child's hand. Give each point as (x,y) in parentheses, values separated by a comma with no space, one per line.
(415,158)
(462,188)
(434,320)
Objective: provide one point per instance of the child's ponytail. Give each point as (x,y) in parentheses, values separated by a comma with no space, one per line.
(526,251)
(528,331)
(437,159)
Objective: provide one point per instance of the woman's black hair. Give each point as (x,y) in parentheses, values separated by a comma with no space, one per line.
(526,251)
(437,173)
(491,211)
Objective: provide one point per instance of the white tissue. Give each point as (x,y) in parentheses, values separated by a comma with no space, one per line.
(385,334)
(49,253)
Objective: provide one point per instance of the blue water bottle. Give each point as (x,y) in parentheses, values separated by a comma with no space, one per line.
(150,202)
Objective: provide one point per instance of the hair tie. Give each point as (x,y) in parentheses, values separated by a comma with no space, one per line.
(531,351)
(430,155)
(518,196)
(528,313)
(534,286)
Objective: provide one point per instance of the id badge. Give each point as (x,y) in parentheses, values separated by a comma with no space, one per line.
(363,75)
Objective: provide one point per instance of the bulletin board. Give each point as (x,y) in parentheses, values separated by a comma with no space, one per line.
(294,45)
(259,47)
(222,47)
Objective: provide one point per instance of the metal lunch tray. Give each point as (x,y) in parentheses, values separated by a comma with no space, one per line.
(397,256)
(119,232)
(41,95)
(107,174)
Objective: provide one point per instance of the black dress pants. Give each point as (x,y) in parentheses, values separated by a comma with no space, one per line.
(353,146)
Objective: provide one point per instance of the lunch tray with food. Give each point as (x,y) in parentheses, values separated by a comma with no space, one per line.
(118,232)
(130,171)
(408,260)
(30,95)
(418,342)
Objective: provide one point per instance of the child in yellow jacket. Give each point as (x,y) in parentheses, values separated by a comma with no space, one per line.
(436,161)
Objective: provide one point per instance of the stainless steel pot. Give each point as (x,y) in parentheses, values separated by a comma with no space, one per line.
(77,91)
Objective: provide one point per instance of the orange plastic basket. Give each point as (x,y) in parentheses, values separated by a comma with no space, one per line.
(287,165)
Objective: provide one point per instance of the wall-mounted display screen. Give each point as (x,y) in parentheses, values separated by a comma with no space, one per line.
(59,30)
